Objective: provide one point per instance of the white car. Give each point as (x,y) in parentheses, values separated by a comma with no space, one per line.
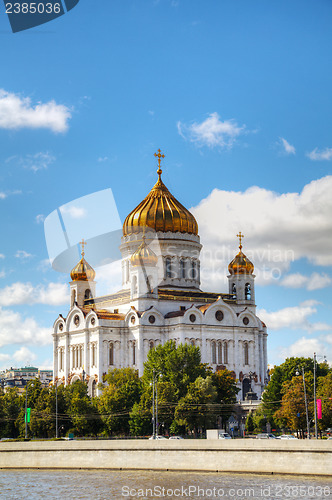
(265,435)
(224,435)
(175,437)
(287,436)
(158,437)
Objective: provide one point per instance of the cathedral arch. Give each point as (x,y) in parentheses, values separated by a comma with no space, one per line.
(220,353)
(74,379)
(111,354)
(225,353)
(213,352)
(245,387)
(247,291)
(246,353)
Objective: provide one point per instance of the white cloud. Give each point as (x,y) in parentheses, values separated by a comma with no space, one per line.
(319,155)
(22,254)
(315,281)
(287,148)
(2,195)
(4,357)
(2,273)
(102,158)
(295,318)
(212,132)
(73,212)
(279,229)
(24,355)
(17,330)
(40,218)
(109,278)
(17,112)
(38,161)
(2,256)
(25,293)
(304,347)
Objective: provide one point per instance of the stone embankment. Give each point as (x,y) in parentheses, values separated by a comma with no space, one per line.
(243,455)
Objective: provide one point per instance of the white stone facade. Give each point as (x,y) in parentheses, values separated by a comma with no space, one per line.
(157,304)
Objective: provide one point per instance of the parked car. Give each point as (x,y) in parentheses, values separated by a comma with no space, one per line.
(158,437)
(265,435)
(287,436)
(224,435)
(175,437)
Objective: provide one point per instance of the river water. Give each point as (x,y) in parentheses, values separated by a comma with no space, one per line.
(117,485)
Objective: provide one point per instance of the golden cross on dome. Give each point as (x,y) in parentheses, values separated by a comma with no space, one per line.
(159,156)
(83,243)
(240,236)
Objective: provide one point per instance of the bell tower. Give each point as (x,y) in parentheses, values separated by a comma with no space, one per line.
(241,280)
(82,286)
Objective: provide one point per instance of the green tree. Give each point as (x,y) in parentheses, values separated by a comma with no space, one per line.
(324,392)
(180,366)
(227,390)
(272,394)
(82,411)
(11,404)
(292,413)
(196,410)
(250,426)
(124,389)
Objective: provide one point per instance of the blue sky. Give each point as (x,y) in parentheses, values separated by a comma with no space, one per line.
(237,94)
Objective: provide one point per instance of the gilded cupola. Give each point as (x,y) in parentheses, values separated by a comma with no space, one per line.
(241,264)
(83,271)
(144,256)
(160,211)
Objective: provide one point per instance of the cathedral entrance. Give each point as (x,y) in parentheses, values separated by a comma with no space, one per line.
(245,387)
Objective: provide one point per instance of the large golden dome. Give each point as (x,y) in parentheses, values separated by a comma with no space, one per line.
(241,264)
(83,271)
(160,211)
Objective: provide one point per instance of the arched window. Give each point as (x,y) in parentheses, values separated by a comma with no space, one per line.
(134,353)
(220,353)
(234,289)
(192,342)
(193,269)
(225,353)
(151,344)
(87,294)
(93,388)
(111,354)
(213,353)
(73,357)
(248,291)
(168,267)
(246,354)
(61,359)
(94,352)
(183,268)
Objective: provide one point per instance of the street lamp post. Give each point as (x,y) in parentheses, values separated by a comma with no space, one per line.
(153,407)
(315,403)
(56,408)
(306,402)
(26,411)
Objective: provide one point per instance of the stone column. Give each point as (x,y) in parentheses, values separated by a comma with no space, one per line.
(140,353)
(67,358)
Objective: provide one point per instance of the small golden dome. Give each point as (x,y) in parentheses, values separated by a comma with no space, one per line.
(83,271)
(241,264)
(160,211)
(144,256)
